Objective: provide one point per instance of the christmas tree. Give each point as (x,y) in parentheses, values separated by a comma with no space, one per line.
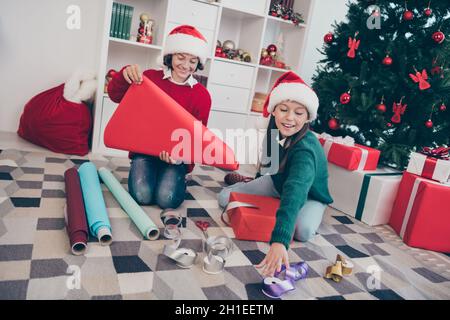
(385,80)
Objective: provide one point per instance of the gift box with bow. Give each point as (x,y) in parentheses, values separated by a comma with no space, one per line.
(252,217)
(421,213)
(345,153)
(367,196)
(432,164)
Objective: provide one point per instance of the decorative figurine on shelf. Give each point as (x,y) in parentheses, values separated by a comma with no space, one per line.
(228,50)
(228,45)
(108,78)
(145,31)
(284,9)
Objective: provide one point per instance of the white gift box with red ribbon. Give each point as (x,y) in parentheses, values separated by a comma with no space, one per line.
(428,167)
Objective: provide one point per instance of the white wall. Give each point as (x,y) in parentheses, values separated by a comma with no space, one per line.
(38,51)
(324,14)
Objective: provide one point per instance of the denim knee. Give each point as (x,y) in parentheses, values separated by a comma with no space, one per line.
(304,233)
(169,198)
(140,192)
(223,197)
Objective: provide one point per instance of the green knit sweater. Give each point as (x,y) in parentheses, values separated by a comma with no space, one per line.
(305,176)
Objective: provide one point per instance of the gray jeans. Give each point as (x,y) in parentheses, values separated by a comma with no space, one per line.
(308,219)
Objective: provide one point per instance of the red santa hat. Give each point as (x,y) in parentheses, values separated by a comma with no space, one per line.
(186,39)
(291,87)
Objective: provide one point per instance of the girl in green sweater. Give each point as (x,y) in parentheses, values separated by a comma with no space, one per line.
(296,169)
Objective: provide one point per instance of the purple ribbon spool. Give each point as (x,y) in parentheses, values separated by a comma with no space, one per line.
(274,287)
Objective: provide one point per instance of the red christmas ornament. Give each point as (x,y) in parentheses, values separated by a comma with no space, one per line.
(438,37)
(272,48)
(328,38)
(408,15)
(387,61)
(266,61)
(381,107)
(428,12)
(389,125)
(219,51)
(333,124)
(353,45)
(421,78)
(398,109)
(345,98)
(429,124)
(443,107)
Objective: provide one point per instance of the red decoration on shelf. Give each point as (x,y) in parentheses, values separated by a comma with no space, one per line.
(421,79)
(398,109)
(438,37)
(387,61)
(345,98)
(266,61)
(333,124)
(353,45)
(328,38)
(443,107)
(272,48)
(429,124)
(219,51)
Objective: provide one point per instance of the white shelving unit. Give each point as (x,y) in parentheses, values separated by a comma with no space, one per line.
(232,84)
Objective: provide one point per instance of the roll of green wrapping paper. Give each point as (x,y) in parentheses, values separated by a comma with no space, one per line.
(145,225)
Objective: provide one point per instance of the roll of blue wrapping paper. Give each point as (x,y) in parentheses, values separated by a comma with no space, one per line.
(142,221)
(96,213)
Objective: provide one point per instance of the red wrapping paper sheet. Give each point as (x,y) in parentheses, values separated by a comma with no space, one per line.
(145,122)
(77,227)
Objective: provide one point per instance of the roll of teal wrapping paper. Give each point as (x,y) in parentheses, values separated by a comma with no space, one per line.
(140,218)
(96,213)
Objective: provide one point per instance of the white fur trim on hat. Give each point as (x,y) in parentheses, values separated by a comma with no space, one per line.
(295,91)
(182,43)
(81,86)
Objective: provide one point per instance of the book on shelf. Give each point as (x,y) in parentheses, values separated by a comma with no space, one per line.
(121,18)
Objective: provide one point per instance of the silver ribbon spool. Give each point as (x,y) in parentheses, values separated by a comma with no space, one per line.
(217,249)
(172,222)
(185,258)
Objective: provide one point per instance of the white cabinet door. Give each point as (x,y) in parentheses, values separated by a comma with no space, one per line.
(232,74)
(229,98)
(201,15)
(108,109)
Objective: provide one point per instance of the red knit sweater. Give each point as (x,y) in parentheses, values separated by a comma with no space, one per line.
(195,100)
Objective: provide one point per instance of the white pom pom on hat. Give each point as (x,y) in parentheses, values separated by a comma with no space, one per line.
(291,87)
(186,39)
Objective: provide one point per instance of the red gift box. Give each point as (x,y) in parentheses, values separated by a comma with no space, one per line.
(357,157)
(252,217)
(421,213)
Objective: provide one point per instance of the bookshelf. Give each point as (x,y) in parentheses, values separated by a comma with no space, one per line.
(232,84)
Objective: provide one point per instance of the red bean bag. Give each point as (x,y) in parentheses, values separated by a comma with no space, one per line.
(58,119)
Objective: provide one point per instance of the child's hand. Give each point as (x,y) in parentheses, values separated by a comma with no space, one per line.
(164,156)
(275,257)
(132,74)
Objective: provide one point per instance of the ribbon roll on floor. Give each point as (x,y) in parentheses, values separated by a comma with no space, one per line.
(185,258)
(142,221)
(97,216)
(274,287)
(77,227)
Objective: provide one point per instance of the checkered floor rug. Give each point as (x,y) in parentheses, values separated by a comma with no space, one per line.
(35,261)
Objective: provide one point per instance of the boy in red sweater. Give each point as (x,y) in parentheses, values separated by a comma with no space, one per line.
(161,180)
